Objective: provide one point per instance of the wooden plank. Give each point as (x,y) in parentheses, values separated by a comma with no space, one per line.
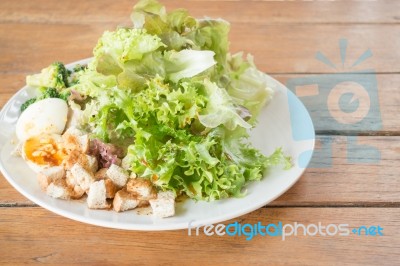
(32,47)
(277,48)
(9,85)
(263,12)
(32,235)
(9,196)
(340,174)
(379,117)
(292,48)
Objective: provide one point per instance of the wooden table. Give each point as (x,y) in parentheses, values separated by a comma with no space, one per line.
(284,38)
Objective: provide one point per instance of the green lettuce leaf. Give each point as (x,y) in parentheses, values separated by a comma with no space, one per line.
(220,109)
(169,92)
(187,63)
(212,34)
(247,86)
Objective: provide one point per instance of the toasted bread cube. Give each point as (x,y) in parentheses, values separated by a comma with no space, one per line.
(91,163)
(59,190)
(73,183)
(111,188)
(118,175)
(143,203)
(77,192)
(141,187)
(101,174)
(125,163)
(71,159)
(74,139)
(124,201)
(49,175)
(70,179)
(74,131)
(97,196)
(84,143)
(82,176)
(85,160)
(164,205)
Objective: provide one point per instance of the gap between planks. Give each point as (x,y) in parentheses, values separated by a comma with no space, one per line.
(272,205)
(33,22)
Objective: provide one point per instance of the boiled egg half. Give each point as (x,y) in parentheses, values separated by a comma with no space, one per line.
(48,116)
(43,151)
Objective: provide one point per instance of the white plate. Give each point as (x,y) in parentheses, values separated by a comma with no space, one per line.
(284,119)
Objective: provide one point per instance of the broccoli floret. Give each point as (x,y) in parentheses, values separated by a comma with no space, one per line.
(65,95)
(49,93)
(27,103)
(78,70)
(53,93)
(45,93)
(79,67)
(53,76)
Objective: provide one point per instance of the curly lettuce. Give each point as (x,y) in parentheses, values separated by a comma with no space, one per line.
(169,92)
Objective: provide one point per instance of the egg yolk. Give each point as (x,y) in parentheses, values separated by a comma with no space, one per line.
(44,150)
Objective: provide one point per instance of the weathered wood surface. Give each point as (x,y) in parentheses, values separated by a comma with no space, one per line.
(34,235)
(278,48)
(343,185)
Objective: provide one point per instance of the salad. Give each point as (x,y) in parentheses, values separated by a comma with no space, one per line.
(162,110)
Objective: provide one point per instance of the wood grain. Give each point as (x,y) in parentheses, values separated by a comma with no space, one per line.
(262,12)
(385,104)
(341,186)
(344,177)
(277,48)
(34,235)
(339,175)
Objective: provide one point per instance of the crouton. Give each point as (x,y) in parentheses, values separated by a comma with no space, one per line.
(77,191)
(101,174)
(97,196)
(82,176)
(59,190)
(143,203)
(91,163)
(111,188)
(71,159)
(124,201)
(88,162)
(143,188)
(118,175)
(84,143)
(70,179)
(164,205)
(49,175)
(74,131)
(126,163)
(74,141)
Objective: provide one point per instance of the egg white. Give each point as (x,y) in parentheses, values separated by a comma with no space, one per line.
(48,116)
